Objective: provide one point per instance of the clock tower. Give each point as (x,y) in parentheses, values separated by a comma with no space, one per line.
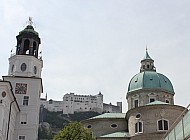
(24,73)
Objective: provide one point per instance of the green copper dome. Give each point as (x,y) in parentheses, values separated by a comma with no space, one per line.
(29,29)
(150,80)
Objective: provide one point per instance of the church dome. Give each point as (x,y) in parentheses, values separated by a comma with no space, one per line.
(148,78)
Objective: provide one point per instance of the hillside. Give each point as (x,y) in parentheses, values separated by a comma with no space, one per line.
(52,122)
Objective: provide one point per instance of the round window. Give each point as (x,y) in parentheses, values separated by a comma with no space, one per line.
(35,69)
(113,125)
(3,94)
(23,67)
(138,116)
(89,126)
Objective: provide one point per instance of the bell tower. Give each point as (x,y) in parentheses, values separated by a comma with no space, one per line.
(28,42)
(26,61)
(24,74)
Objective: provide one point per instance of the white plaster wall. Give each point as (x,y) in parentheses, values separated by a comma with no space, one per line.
(34,88)
(80,103)
(5,110)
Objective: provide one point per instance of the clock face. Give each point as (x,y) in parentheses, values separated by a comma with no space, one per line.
(20,88)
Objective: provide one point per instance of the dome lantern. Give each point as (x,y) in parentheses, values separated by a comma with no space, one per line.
(147,63)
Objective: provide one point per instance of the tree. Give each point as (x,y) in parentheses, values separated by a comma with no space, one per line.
(74,131)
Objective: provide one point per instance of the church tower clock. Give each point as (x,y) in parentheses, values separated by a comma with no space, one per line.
(24,73)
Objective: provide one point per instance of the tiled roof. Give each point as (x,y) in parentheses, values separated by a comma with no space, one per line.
(117,135)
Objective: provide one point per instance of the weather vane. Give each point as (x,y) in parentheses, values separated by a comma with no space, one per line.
(30,22)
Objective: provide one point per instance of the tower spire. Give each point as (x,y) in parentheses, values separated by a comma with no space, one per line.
(147,63)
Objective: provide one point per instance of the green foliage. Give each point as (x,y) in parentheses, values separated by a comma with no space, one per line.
(44,133)
(74,131)
(58,121)
(55,120)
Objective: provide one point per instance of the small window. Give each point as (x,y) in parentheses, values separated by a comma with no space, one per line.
(163,125)
(23,118)
(113,125)
(21,137)
(167,101)
(89,126)
(152,100)
(138,116)
(50,101)
(35,70)
(12,68)
(138,127)
(25,100)
(23,67)
(136,103)
(148,66)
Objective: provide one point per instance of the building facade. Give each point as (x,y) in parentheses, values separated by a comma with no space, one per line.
(109,108)
(23,84)
(151,109)
(9,109)
(51,105)
(82,103)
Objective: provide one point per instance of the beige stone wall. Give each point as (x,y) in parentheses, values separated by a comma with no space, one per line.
(150,136)
(99,138)
(143,97)
(150,115)
(102,127)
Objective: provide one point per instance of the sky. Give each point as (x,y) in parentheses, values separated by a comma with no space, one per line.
(97,45)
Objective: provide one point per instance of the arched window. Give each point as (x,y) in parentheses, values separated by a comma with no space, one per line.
(139,127)
(136,103)
(34,49)
(163,125)
(26,46)
(147,66)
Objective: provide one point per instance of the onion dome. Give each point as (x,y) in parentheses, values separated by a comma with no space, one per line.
(29,30)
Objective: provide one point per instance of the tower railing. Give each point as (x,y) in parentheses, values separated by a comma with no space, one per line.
(13,54)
